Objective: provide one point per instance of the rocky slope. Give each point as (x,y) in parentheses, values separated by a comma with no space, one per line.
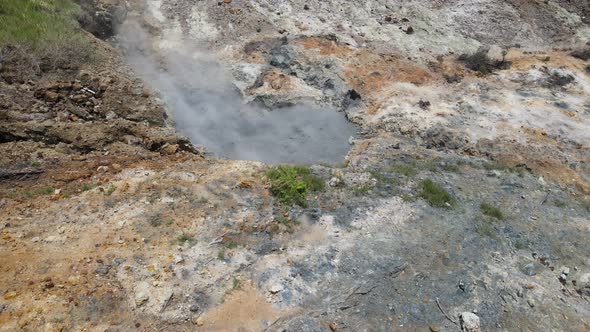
(113,221)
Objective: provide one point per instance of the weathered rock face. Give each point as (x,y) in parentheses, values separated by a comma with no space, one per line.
(102,17)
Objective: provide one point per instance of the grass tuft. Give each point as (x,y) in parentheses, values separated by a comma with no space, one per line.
(291,184)
(436,195)
(491,211)
(404,169)
(486,228)
(184,238)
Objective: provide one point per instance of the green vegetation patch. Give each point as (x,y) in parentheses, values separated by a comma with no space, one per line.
(559,203)
(291,184)
(404,169)
(185,238)
(486,228)
(491,211)
(39,192)
(42,35)
(37,22)
(436,195)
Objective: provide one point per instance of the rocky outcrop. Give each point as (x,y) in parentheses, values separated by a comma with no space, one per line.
(102,17)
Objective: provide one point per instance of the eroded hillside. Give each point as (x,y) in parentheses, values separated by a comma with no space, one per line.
(461,204)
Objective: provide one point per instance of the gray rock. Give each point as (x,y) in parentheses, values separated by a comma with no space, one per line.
(530,269)
(469,322)
(102,269)
(275,288)
(141,298)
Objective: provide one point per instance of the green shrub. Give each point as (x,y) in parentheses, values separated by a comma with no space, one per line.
(436,195)
(184,238)
(291,184)
(491,211)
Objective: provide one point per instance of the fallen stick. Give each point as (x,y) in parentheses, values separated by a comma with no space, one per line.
(88,90)
(444,313)
(218,239)
(545,199)
(167,302)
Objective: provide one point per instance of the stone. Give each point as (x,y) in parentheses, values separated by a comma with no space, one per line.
(36,239)
(102,269)
(275,288)
(529,269)
(531,302)
(334,182)
(169,149)
(434,328)
(469,322)
(51,96)
(10,295)
(178,259)
(565,270)
(141,298)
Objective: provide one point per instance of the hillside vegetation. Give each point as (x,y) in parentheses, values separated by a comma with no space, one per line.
(41,35)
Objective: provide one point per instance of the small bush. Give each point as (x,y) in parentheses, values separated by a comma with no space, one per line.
(221,254)
(582,54)
(231,244)
(184,238)
(156,220)
(88,186)
(486,228)
(481,62)
(291,184)
(404,169)
(491,211)
(436,195)
(559,203)
(520,244)
(35,164)
(110,190)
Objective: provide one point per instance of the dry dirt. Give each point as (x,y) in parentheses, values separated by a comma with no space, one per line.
(110,220)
